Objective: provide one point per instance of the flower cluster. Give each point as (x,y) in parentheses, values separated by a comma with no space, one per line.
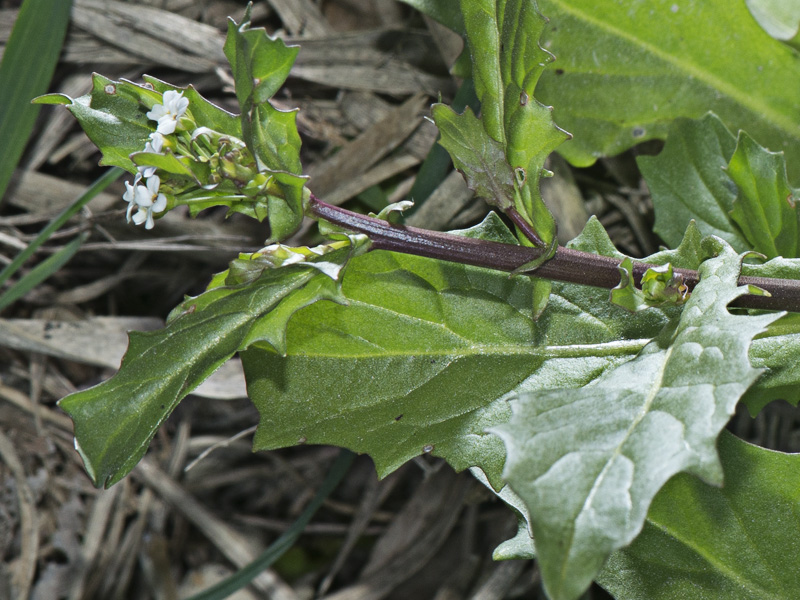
(145,197)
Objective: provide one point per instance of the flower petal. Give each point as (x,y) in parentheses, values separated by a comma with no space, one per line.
(157,112)
(130,192)
(140,216)
(160,204)
(175,103)
(153,183)
(167,125)
(156,141)
(144,198)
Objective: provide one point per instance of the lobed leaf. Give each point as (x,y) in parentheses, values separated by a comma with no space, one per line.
(776,351)
(260,65)
(688,182)
(113,116)
(737,542)
(480,158)
(517,132)
(588,482)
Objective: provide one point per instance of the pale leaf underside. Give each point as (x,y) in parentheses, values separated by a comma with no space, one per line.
(588,462)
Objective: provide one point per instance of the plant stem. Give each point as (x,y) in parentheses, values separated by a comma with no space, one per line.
(525,227)
(572,266)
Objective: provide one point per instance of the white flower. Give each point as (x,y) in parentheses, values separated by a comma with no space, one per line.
(154,144)
(130,195)
(148,201)
(167,114)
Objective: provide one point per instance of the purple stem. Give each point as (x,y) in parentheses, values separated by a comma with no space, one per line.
(573,266)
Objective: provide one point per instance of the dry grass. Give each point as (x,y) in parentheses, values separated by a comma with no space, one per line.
(366,73)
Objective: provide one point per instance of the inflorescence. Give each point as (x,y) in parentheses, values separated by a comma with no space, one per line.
(146,198)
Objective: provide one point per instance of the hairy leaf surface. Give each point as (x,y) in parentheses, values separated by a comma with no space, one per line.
(625,70)
(776,351)
(426,352)
(737,542)
(587,462)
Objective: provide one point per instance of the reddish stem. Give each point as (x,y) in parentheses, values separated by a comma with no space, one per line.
(573,266)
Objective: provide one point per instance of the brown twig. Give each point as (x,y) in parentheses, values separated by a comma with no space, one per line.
(572,266)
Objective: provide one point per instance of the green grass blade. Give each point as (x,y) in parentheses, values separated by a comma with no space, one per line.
(29,60)
(245,575)
(98,186)
(41,272)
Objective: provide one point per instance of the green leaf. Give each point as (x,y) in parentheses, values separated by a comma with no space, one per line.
(517,132)
(115,421)
(168,163)
(205,163)
(779,18)
(737,542)
(765,209)
(733,188)
(776,350)
(29,59)
(114,116)
(688,182)
(625,71)
(521,545)
(480,159)
(260,65)
(424,355)
(587,462)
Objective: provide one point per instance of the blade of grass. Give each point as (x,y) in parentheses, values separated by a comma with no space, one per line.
(29,60)
(241,578)
(41,272)
(98,186)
